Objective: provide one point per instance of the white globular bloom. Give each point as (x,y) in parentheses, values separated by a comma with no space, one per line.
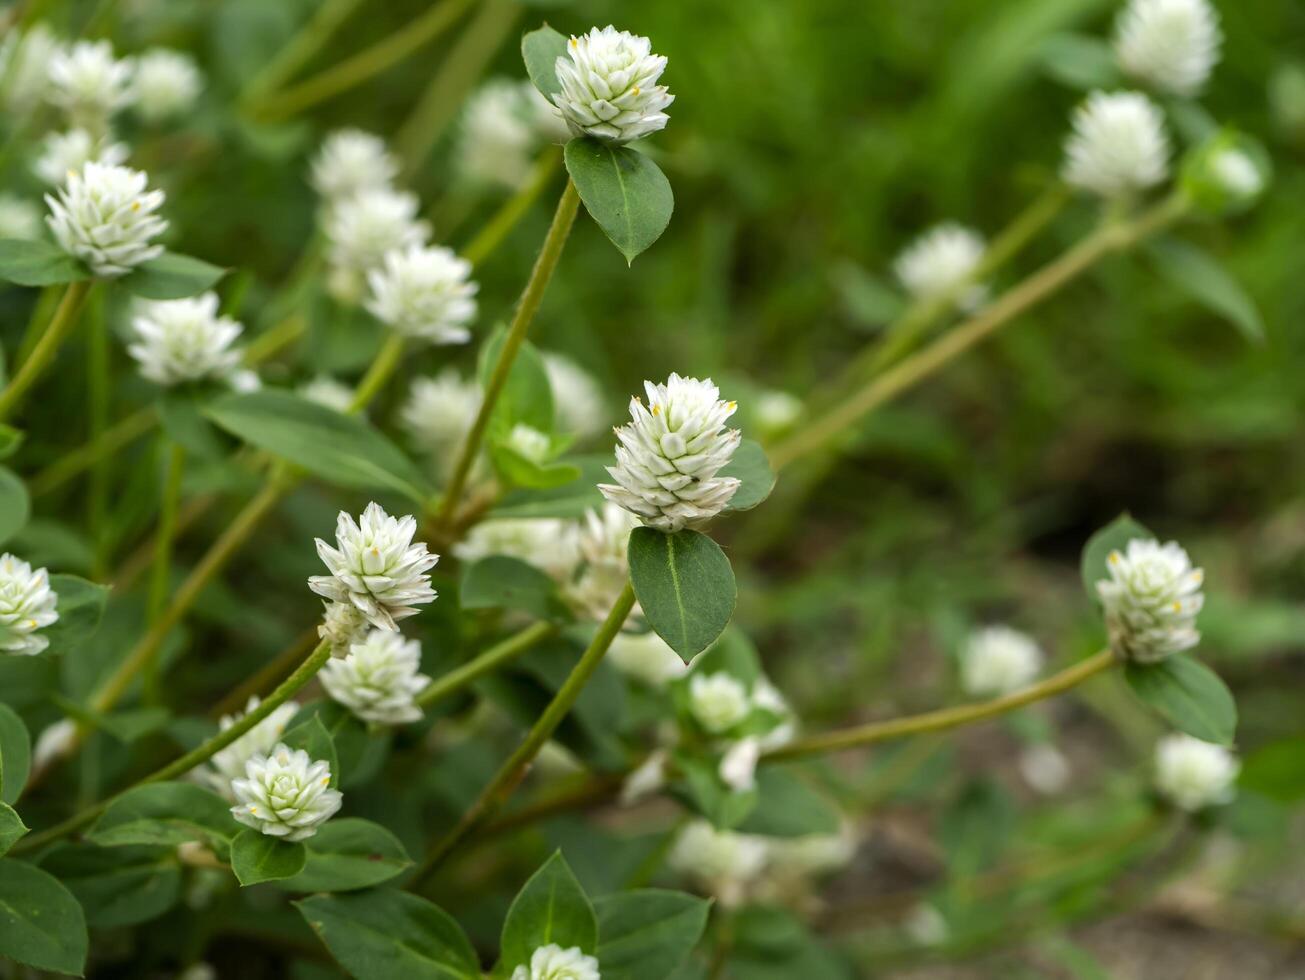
(1170,44)
(351,161)
(1151,600)
(166,84)
(722,862)
(547,543)
(529,443)
(646,657)
(940,263)
(670,453)
(25,66)
(67,153)
(424,292)
(552,962)
(228,764)
(609,86)
(104,216)
(244,381)
(439,411)
(498,135)
(19,218)
(581,408)
(363,227)
(604,536)
(285,794)
(89,83)
(27,606)
(1045,768)
(718,701)
(379,680)
(1236,173)
(182,340)
(343,624)
(328,391)
(997,660)
(376,567)
(738,767)
(1192,774)
(811,855)
(1118,145)
(776,411)
(768,697)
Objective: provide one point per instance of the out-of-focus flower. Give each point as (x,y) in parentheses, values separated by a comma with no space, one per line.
(244,380)
(285,794)
(547,543)
(721,862)
(55,742)
(738,767)
(997,660)
(529,443)
(1192,774)
(581,407)
(67,153)
(1170,44)
(718,701)
(25,66)
(926,926)
(1045,768)
(182,340)
(379,680)
(328,391)
(609,86)
(776,412)
(89,84)
(940,262)
(648,778)
(645,657)
(424,292)
(504,123)
(1151,600)
(27,605)
(439,411)
(19,218)
(1118,145)
(343,624)
(552,962)
(364,226)
(350,162)
(229,764)
(104,216)
(1237,173)
(166,84)
(604,535)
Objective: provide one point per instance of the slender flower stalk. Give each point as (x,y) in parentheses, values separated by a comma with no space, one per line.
(299,50)
(98,396)
(500,653)
(56,332)
(501,223)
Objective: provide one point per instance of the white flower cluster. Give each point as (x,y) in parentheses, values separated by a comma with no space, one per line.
(996,660)
(19,218)
(646,657)
(1192,774)
(552,962)
(424,292)
(1172,45)
(166,84)
(609,86)
(285,794)
(105,216)
(547,543)
(363,227)
(229,764)
(89,83)
(670,454)
(184,340)
(940,262)
(350,162)
(505,122)
(379,679)
(601,542)
(1118,145)
(1151,600)
(1237,173)
(27,605)
(63,154)
(438,411)
(326,390)
(718,702)
(25,58)
(581,406)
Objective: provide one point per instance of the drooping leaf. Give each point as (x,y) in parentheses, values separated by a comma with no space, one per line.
(12,828)
(648,933)
(1199,274)
(257,857)
(750,466)
(501,582)
(1113,537)
(550,908)
(41,923)
(118,886)
(540,50)
(347,854)
(38,263)
(15,754)
(165,813)
(685,586)
(623,190)
(15,507)
(171,276)
(1187,694)
(81,605)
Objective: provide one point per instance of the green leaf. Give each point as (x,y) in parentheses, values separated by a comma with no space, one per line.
(1113,537)
(976,828)
(38,263)
(751,466)
(15,754)
(342,449)
(181,415)
(118,886)
(359,752)
(570,500)
(623,190)
(684,584)
(15,506)
(701,790)
(550,908)
(349,853)
(81,605)
(171,276)
(789,806)
(501,582)
(1189,695)
(647,934)
(527,396)
(12,828)
(390,935)
(1199,274)
(10,438)
(1080,61)
(257,857)
(41,924)
(540,50)
(165,813)
(518,471)
(311,736)
(1277,770)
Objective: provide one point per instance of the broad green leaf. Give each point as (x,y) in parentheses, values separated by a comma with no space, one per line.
(15,507)
(311,736)
(171,276)
(385,934)
(257,857)
(789,806)
(684,584)
(550,908)
(349,853)
(501,582)
(10,438)
(181,415)
(1187,694)
(1113,537)
(1080,61)
(527,396)
(165,813)
(38,263)
(41,924)
(540,50)
(750,466)
(81,605)
(1199,274)
(341,449)
(623,190)
(15,754)
(571,500)
(518,471)
(118,886)
(702,790)
(358,751)
(647,934)
(1277,770)
(12,828)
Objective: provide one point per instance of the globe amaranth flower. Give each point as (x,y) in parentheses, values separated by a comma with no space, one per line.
(552,962)
(1192,774)
(581,407)
(602,541)
(351,161)
(504,123)
(379,680)
(738,767)
(326,390)
(27,605)
(285,794)
(19,218)
(1151,600)
(547,543)
(670,453)
(228,764)
(438,411)
(721,862)
(376,567)
(104,215)
(645,657)
(166,84)
(181,340)
(1170,44)
(424,292)
(363,227)
(776,412)
(718,701)
(1045,768)
(609,86)
(25,66)
(1118,145)
(88,83)
(940,263)
(1237,173)
(67,153)
(997,660)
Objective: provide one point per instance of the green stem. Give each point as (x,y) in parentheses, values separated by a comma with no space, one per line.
(382,366)
(299,50)
(545,265)
(56,332)
(76,461)
(42,310)
(97,405)
(161,575)
(270,341)
(513,770)
(497,655)
(502,222)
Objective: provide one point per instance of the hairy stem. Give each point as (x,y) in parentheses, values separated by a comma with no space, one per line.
(52,338)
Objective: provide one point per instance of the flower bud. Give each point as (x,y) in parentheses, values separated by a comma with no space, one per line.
(66,153)
(350,162)
(167,83)
(1226,174)
(1118,145)
(424,292)
(104,215)
(1151,600)
(997,660)
(88,83)
(718,701)
(552,962)
(439,411)
(182,340)
(941,262)
(285,794)
(609,86)
(1192,774)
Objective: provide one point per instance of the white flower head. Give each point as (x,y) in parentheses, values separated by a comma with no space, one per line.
(603,538)
(609,86)
(180,340)
(552,962)
(350,162)
(67,153)
(285,794)
(439,411)
(670,453)
(364,226)
(718,701)
(645,657)
(812,855)
(25,66)
(1236,173)
(500,132)
(27,605)
(376,567)
(581,408)
(166,84)
(328,391)
(1151,600)
(343,624)
(738,767)
(1045,768)
(104,216)
(722,862)
(997,660)
(941,261)
(229,764)
(1193,774)
(1118,145)
(1170,44)
(424,292)
(88,83)
(529,443)
(379,680)
(776,411)
(547,543)
(19,218)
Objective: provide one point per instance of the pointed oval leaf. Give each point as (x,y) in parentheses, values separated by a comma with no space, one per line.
(12,828)
(684,584)
(1113,537)
(624,191)
(118,886)
(15,506)
(38,263)
(165,813)
(41,923)
(550,908)
(647,934)
(15,754)
(1199,274)
(257,857)
(81,606)
(171,276)
(347,854)
(752,467)
(540,50)
(1187,694)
